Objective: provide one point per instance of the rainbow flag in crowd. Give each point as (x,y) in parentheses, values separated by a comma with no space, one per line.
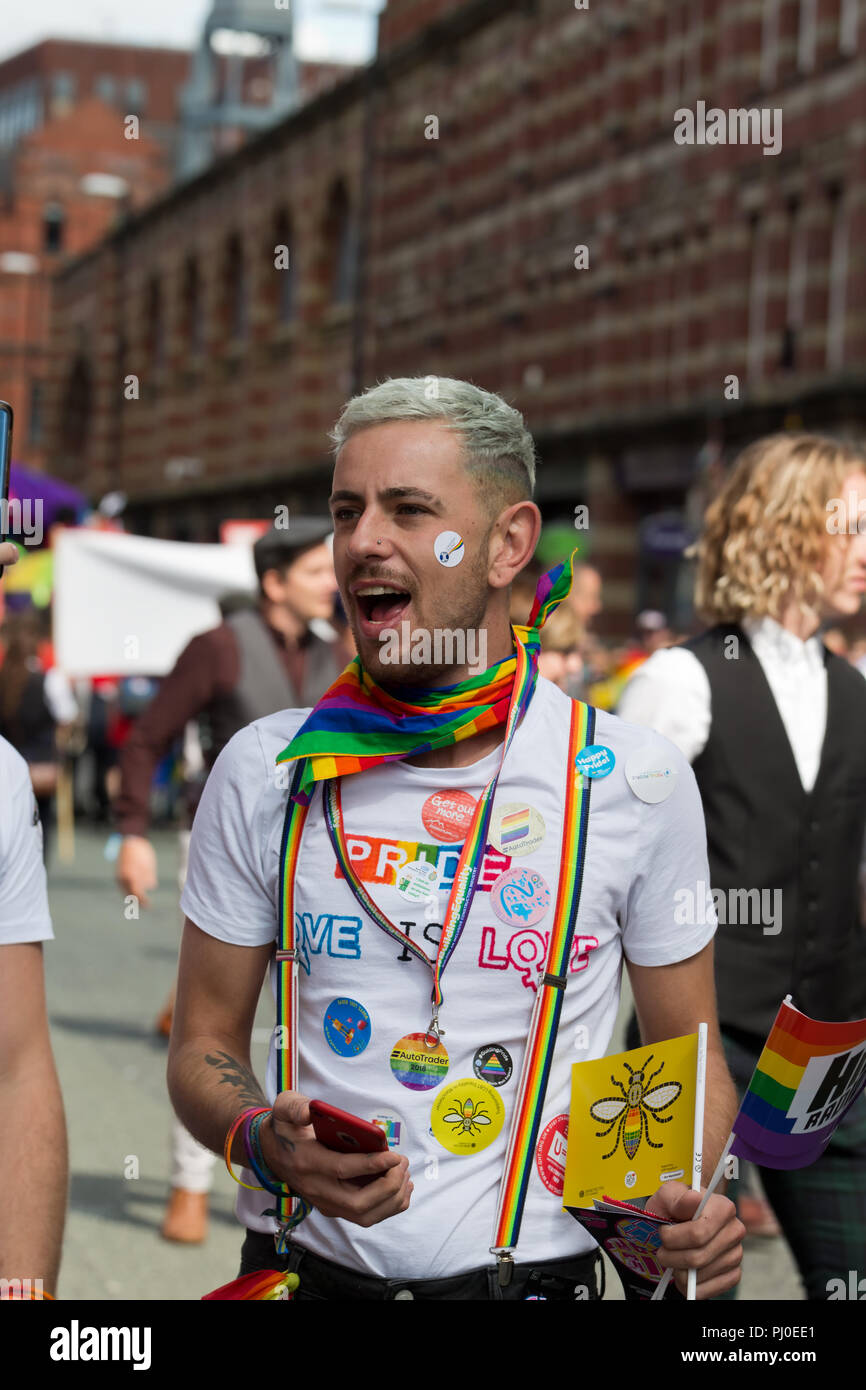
(808,1075)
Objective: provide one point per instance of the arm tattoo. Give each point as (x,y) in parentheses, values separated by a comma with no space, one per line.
(239,1076)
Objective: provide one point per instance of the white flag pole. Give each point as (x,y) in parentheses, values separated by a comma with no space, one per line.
(698,1144)
(697,1161)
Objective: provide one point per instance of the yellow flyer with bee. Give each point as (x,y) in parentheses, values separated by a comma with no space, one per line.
(631,1125)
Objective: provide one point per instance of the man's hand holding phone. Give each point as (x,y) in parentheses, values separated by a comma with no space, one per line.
(327,1179)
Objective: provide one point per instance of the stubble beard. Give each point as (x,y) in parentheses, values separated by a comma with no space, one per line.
(468,617)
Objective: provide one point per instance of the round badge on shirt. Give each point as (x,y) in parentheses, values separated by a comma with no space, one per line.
(595,760)
(651,775)
(467,1116)
(520,897)
(347,1027)
(516,828)
(392,1125)
(416,881)
(493,1064)
(447,815)
(550,1154)
(417,1066)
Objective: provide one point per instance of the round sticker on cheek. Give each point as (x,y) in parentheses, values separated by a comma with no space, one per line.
(417,1066)
(467,1116)
(347,1027)
(449,549)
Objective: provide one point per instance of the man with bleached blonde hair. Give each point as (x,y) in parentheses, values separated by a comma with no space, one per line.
(433,521)
(775,726)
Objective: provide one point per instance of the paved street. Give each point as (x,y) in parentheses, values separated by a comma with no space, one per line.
(107,981)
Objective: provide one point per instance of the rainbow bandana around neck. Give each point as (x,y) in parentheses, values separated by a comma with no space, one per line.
(358,724)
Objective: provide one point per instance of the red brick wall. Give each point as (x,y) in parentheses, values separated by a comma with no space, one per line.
(402,20)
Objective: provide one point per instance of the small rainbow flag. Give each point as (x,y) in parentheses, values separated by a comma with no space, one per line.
(808,1075)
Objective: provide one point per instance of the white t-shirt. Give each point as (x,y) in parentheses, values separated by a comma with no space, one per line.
(24,914)
(638,855)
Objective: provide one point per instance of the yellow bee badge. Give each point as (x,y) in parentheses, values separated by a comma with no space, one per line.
(467,1116)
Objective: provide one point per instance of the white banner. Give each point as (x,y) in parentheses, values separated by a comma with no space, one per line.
(128,605)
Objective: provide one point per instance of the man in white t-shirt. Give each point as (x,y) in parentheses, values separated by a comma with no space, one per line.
(33,1152)
(432,522)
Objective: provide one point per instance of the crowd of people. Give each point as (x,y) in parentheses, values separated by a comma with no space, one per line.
(768,741)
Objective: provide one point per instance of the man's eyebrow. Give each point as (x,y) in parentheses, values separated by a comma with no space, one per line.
(388,494)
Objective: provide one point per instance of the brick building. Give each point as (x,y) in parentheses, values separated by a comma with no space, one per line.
(71,168)
(67,172)
(499,196)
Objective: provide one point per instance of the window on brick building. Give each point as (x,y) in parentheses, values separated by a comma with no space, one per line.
(155,321)
(53,226)
(282,266)
(136,95)
(848,26)
(757,299)
(63,86)
(795,312)
(192,308)
(807,35)
(694,40)
(235,289)
(36,417)
(673,54)
(105,87)
(76,412)
(836,299)
(341,247)
(769,42)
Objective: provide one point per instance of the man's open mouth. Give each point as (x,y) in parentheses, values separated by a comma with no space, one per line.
(382,603)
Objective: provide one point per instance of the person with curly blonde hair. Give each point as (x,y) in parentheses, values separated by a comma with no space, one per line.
(765,543)
(774,724)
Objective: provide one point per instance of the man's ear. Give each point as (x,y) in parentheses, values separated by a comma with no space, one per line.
(513,539)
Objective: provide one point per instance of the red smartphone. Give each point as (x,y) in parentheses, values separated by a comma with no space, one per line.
(346,1133)
(5,460)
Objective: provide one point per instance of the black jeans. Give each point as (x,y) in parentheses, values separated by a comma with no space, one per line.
(575,1278)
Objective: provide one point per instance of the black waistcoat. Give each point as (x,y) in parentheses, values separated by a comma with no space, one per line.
(765,832)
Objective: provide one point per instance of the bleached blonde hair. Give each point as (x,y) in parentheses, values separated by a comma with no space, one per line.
(497,445)
(765,538)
